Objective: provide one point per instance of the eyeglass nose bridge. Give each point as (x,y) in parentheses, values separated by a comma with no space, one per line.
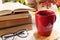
(21,33)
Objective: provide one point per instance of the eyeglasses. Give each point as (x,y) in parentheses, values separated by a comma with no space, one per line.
(22,34)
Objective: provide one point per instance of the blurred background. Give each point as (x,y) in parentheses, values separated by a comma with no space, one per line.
(37,3)
(20,1)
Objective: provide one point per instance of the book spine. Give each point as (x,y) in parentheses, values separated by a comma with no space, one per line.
(15,29)
(15,16)
(14,22)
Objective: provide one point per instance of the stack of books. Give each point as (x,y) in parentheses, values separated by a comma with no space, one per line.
(14,17)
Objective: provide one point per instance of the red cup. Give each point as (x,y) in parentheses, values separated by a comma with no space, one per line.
(44,22)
